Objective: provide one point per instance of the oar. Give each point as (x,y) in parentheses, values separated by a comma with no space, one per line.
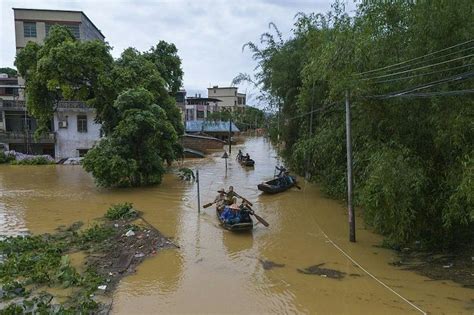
(245,200)
(297,186)
(259,218)
(207,205)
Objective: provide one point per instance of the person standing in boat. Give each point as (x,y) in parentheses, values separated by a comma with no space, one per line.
(282,170)
(247,157)
(220,199)
(239,155)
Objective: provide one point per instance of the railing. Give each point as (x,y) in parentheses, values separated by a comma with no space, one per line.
(62,104)
(20,136)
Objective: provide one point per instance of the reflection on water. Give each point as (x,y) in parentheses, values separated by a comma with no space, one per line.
(216,271)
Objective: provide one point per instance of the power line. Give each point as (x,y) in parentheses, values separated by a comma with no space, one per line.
(413,59)
(419,68)
(425,95)
(421,74)
(322,109)
(425,61)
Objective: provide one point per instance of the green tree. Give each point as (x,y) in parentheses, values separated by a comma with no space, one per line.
(133,154)
(412,156)
(10,71)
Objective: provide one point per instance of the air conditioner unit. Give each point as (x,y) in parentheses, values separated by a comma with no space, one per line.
(63,124)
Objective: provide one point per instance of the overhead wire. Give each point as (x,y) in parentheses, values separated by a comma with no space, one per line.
(413,59)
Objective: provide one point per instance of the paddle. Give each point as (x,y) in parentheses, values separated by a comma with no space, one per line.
(207,205)
(297,186)
(245,200)
(259,218)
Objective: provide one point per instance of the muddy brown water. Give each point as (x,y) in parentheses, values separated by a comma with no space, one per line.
(216,271)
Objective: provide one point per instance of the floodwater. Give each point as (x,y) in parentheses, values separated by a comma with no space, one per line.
(216,271)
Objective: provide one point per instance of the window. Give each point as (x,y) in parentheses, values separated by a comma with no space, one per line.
(81,123)
(82,152)
(74,28)
(29,29)
(200,114)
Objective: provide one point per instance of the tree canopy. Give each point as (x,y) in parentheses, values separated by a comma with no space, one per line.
(413,155)
(132,97)
(10,71)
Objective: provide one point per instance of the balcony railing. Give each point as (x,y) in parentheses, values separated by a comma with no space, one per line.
(62,104)
(21,137)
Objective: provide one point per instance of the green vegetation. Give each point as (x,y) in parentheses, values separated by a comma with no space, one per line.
(121,211)
(10,71)
(133,98)
(251,118)
(413,157)
(43,261)
(31,264)
(4,158)
(40,160)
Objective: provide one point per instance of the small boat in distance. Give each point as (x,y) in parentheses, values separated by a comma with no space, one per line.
(245,160)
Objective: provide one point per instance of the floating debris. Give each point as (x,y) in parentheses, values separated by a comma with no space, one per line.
(268,264)
(324,272)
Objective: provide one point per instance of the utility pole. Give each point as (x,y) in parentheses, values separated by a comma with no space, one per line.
(350,206)
(198,192)
(230,133)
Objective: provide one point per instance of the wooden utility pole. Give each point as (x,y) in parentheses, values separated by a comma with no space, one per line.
(350,207)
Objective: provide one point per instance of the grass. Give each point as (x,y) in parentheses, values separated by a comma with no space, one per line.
(121,211)
(39,160)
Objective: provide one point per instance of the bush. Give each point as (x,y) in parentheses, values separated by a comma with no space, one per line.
(40,160)
(4,158)
(121,211)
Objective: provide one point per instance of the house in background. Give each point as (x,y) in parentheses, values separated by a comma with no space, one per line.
(230,98)
(216,129)
(198,108)
(73,130)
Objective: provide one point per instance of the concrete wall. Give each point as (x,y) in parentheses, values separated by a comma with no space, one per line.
(69,140)
(228,96)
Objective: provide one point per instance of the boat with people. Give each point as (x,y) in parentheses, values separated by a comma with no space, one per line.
(245,160)
(235,218)
(280,183)
(232,216)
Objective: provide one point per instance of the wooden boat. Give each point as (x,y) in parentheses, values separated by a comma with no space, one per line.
(246,162)
(242,226)
(276,185)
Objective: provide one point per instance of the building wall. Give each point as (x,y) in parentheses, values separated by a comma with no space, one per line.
(229,97)
(69,140)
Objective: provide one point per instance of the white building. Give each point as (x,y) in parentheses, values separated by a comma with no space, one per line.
(198,108)
(73,130)
(229,96)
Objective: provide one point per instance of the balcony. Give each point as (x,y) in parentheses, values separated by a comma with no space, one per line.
(22,137)
(63,106)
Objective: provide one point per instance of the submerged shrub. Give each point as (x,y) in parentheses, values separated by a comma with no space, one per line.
(121,211)
(39,160)
(6,158)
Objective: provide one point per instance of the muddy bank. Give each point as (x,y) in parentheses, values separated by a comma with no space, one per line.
(76,268)
(457,267)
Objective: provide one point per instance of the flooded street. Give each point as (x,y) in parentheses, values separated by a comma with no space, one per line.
(217,271)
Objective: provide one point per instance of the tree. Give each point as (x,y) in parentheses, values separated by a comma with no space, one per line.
(133,154)
(165,57)
(412,156)
(10,71)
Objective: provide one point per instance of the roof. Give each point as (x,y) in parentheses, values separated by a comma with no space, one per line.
(209,126)
(71,11)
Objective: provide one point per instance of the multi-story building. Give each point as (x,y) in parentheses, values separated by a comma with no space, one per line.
(198,108)
(73,130)
(230,98)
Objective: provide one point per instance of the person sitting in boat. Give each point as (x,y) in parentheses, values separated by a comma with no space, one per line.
(231,196)
(231,214)
(220,199)
(247,157)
